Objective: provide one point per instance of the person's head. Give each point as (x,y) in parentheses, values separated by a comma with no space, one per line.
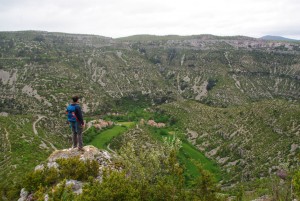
(75,99)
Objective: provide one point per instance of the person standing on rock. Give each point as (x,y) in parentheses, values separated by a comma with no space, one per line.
(75,119)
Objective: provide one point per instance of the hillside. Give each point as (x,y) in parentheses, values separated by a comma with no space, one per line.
(236,98)
(46,68)
(26,140)
(250,141)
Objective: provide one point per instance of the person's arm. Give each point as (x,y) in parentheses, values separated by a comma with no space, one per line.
(78,114)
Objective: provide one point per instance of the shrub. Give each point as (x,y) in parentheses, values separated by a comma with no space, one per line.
(33,180)
(45,177)
(70,168)
(51,176)
(114,186)
(205,187)
(74,168)
(62,192)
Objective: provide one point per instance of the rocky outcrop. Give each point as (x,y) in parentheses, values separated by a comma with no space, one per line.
(89,153)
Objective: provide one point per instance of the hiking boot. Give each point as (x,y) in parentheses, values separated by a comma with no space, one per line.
(81,149)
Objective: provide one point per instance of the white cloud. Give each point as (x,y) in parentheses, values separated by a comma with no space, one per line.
(117,18)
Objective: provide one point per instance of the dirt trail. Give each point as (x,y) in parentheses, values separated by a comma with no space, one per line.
(34,123)
(36,133)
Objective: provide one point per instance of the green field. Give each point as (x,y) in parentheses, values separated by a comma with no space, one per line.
(188,155)
(127,124)
(102,139)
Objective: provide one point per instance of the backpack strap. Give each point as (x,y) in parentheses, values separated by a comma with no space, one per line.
(77,120)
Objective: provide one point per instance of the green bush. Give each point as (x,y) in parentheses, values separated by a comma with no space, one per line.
(58,192)
(114,186)
(62,192)
(74,168)
(70,168)
(205,187)
(51,176)
(34,179)
(44,177)
(10,192)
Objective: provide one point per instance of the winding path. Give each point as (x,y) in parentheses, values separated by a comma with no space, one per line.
(36,133)
(34,123)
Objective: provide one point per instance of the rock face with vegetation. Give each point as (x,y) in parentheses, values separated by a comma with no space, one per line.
(250,141)
(67,170)
(40,70)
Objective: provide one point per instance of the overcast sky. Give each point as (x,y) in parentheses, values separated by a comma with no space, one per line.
(118,18)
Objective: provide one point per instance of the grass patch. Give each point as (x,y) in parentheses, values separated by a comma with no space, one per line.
(102,139)
(189,155)
(127,124)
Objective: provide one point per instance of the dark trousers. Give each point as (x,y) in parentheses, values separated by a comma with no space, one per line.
(77,134)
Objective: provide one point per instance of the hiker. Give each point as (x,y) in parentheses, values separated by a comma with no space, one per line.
(76,122)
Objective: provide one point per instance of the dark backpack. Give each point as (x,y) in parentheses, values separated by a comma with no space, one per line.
(71,113)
